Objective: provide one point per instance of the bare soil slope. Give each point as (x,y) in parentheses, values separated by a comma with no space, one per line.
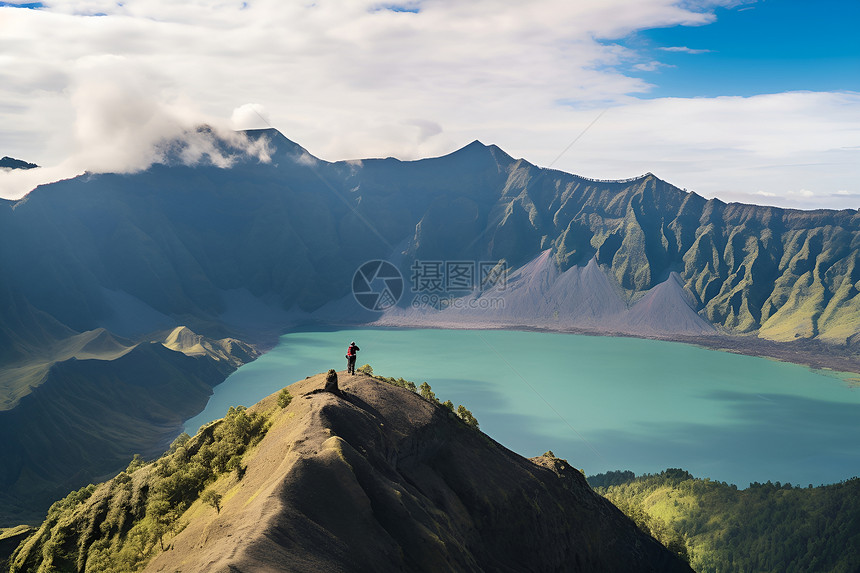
(540,295)
(380,479)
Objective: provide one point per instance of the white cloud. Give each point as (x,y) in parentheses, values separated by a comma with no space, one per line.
(729,147)
(651,66)
(806,193)
(349,80)
(125,117)
(684,49)
(250,116)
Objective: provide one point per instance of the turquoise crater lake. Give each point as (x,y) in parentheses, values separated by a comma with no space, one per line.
(603,403)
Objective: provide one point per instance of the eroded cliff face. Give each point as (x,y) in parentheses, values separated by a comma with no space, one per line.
(165,246)
(781,273)
(374,479)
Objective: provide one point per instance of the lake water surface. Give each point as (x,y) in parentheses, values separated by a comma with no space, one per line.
(603,403)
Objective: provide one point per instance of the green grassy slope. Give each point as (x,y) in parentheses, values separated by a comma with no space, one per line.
(117,525)
(765,528)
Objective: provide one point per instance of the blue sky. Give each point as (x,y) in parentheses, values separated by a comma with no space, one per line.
(758,48)
(754,101)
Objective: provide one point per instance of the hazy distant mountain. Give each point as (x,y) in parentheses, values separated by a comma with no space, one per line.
(376,479)
(12,163)
(246,251)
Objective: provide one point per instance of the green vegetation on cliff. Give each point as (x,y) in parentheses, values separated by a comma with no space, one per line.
(116,526)
(770,527)
(426,392)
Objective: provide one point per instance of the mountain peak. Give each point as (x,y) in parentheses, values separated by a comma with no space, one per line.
(478,155)
(12,163)
(470,150)
(375,478)
(280,144)
(183,339)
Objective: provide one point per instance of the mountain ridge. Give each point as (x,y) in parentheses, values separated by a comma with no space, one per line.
(7,162)
(94,405)
(371,478)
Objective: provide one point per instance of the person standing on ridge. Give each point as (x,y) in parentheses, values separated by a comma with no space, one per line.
(351,355)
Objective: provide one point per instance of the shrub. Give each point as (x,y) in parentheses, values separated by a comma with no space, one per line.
(467,416)
(366,369)
(427,393)
(180,441)
(136,463)
(212,498)
(400,382)
(284,398)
